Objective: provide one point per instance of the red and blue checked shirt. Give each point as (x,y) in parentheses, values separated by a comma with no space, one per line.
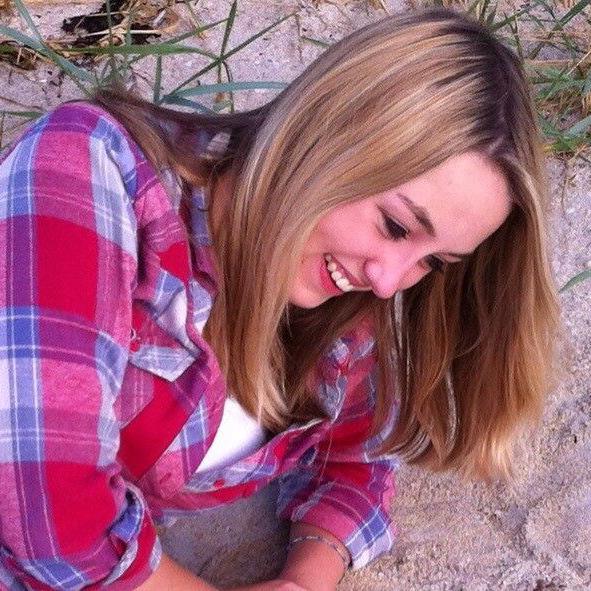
(110,396)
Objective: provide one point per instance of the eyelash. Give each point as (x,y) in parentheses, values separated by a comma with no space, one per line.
(398,232)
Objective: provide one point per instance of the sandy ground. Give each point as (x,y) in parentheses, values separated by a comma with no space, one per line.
(452,536)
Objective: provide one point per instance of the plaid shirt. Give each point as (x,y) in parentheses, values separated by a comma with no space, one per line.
(110,396)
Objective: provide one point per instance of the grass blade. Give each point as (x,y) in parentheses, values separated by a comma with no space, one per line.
(192,16)
(183,102)
(196,31)
(587,85)
(229,78)
(157,79)
(318,42)
(257,35)
(236,49)
(576,279)
(224,64)
(141,50)
(21,38)
(76,73)
(509,19)
(229,24)
(29,115)
(579,128)
(560,23)
(24,13)
(230,87)
(579,7)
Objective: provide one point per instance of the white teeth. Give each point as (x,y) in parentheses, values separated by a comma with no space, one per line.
(340,280)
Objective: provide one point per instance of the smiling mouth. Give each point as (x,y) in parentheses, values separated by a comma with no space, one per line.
(337,275)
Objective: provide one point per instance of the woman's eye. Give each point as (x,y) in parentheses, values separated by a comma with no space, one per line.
(436,264)
(395,230)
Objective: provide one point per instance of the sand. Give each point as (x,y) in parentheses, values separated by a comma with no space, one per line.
(452,536)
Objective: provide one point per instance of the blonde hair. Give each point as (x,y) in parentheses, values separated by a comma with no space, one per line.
(467,355)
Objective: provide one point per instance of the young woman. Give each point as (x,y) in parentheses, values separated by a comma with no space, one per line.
(196,305)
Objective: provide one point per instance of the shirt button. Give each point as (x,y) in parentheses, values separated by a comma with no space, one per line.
(219,483)
(134,343)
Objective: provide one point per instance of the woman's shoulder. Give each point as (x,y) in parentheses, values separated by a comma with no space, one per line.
(101,127)
(78,122)
(76,118)
(81,113)
(108,144)
(82,118)
(79,154)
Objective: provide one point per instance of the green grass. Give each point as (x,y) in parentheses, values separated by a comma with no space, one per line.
(557,59)
(120,59)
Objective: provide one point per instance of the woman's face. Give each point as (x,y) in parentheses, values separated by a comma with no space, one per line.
(388,242)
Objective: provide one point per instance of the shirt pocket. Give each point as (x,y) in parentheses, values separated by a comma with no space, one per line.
(166,362)
(155,346)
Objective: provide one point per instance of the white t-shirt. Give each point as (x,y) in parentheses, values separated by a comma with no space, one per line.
(238,436)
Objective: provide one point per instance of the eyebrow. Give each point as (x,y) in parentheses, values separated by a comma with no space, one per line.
(422,216)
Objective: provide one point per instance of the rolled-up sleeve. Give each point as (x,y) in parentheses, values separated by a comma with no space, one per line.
(346,489)
(68,260)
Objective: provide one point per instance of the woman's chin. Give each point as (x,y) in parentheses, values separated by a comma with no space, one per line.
(307,299)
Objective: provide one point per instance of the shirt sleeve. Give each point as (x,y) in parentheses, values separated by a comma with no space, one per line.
(346,489)
(68,232)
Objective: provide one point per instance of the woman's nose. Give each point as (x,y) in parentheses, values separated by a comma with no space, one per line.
(386,279)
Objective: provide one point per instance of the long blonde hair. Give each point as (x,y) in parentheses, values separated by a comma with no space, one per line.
(466,356)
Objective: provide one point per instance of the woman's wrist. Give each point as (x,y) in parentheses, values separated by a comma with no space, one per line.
(316,560)
(344,556)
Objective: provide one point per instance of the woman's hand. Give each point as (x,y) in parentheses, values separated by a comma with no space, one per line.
(274,585)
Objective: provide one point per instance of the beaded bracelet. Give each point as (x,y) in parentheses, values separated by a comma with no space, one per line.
(344,558)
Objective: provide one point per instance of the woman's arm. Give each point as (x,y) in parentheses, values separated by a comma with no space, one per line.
(314,565)
(68,236)
(345,489)
(310,566)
